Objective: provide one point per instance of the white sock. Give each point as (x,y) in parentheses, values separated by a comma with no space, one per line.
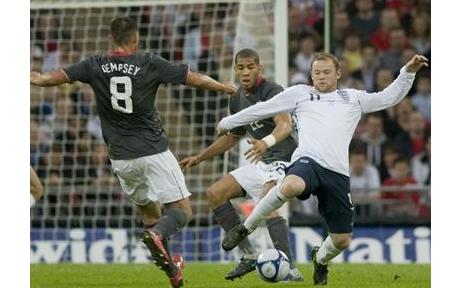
(271,202)
(327,251)
(32,200)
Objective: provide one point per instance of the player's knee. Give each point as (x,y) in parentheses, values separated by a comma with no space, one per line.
(188,214)
(341,241)
(292,188)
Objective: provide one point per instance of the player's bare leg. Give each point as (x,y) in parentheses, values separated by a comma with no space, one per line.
(150,214)
(332,246)
(278,229)
(177,215)
(291,187)
(225,214)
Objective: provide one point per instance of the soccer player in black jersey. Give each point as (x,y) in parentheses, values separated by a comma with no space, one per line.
(125,84)
(258,177)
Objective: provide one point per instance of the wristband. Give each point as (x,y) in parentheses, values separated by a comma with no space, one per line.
(270,140)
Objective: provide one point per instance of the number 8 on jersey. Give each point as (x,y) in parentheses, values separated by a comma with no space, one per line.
(125,95)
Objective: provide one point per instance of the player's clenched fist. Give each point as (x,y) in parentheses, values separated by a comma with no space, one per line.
(417,62)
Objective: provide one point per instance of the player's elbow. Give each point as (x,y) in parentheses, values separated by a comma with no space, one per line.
(194,79)
(285,128)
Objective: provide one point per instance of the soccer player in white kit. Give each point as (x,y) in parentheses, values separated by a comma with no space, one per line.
(326,120)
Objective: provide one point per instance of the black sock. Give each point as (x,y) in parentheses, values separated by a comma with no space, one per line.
(227,218)
(279,233)
(170,222)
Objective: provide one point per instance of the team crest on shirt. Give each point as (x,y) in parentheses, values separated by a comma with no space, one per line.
(344,95)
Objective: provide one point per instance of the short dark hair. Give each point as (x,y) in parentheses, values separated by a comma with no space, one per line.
(390,147)
(123,29)
(401,159)
(357,152)
(247,53)
(357,147)
(325,56)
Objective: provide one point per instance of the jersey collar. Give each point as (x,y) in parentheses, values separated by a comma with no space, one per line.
(259,81)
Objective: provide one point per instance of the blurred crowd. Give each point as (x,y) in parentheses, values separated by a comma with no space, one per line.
(372,39)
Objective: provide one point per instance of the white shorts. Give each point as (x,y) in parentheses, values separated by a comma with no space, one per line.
(252,177)
(156,178)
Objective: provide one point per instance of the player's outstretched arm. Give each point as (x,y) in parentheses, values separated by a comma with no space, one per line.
(282,130)
(36,188)
(285,101)
(53,78)
(202,81)
(222,144)
(396,91)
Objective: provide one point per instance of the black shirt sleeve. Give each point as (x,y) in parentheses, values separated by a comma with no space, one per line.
(232,107)
(169,72)
(79,72)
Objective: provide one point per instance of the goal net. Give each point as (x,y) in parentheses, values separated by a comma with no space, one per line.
(84,216)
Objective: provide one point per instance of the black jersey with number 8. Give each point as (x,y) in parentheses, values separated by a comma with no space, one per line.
(125,86)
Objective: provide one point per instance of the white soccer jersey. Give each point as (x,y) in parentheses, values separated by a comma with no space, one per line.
(325,121)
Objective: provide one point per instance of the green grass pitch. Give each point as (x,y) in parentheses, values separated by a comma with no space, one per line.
(205,275)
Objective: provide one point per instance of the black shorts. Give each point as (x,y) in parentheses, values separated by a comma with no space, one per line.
(332,190)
